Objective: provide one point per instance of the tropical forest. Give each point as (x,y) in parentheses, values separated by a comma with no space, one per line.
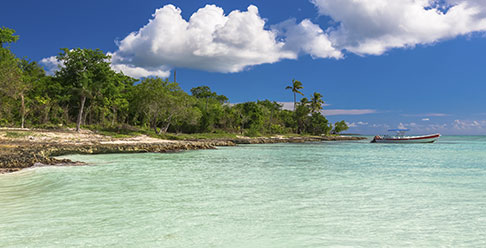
(86,93)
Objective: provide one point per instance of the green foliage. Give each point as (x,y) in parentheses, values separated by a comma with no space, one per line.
(10,73)
(13,134)
(316,103)
(86,91)
(210,105)
(340,126)
(7,36)
(197,136)
(318,125)
(87,77)
(163,104)
(295,88)
(12,85)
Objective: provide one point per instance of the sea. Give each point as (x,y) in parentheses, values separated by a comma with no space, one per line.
(345,194)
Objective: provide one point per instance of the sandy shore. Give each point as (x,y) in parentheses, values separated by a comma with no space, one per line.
(23,148)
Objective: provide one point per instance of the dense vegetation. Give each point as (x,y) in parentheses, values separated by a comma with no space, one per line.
(85,91)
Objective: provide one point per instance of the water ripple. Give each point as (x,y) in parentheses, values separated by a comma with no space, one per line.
(277,195)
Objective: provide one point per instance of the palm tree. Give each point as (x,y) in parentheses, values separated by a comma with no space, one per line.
(295,87)
(316,102)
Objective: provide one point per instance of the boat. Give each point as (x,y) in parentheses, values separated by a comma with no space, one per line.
(400,137)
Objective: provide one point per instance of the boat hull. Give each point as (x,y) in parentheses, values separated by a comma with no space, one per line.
(407,139)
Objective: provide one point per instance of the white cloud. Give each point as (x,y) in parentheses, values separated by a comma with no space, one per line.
(427,115)
(456,127)
(308,38)
(436,114)
(210,41)
(374,26)
(51,64)
(465,125)
(290,105)
(426,119)
(356,124)
(139,72)
(331,112)
(401,126)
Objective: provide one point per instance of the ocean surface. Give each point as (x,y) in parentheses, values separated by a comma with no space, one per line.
(353,194)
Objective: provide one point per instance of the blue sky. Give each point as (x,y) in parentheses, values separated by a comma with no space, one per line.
(398,64)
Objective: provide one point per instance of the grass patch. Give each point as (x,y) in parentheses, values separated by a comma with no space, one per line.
(196,136)
(126,131)
(14,135)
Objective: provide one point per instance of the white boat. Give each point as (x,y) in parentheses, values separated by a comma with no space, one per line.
(400,137)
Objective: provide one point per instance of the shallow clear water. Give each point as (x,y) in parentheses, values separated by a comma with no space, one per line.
(275,195)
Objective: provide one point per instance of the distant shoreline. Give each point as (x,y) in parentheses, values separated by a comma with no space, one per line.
(40,147)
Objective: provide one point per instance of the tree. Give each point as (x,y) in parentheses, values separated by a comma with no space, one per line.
(295,87)
(270,113)
(31,73)
(210,105)
(11,79)
(84,71)
(301,114)
(316,103)
(7,36)
(318,124)
(162,103)
(340,126)
(252,117)
(112,98)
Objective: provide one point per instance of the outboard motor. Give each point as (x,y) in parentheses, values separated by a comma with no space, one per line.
(375,138)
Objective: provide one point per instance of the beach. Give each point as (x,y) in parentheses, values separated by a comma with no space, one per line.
(24,148)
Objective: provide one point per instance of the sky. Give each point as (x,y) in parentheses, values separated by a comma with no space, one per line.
(380,64)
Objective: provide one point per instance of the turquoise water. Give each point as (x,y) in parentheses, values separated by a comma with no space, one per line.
(275,195)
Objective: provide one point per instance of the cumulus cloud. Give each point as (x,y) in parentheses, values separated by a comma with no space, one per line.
(374,26)
(139,72)
(210,41)
(51,64)
(307,37)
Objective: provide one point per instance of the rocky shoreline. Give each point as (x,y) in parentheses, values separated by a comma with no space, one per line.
(19,154)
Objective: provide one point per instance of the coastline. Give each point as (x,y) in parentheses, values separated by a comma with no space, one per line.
(40,147)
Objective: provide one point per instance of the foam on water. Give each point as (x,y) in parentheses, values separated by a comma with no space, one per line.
(275,195)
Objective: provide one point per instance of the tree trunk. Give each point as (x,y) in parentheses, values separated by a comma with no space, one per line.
(164,129)
(154,125)
(114,117)
(22,110)
(87,112)
(47,109)
(295,101)
(80,114)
